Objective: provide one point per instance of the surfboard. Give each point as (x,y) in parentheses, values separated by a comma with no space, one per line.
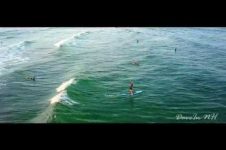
(135,93)
(138,92)
(123,94)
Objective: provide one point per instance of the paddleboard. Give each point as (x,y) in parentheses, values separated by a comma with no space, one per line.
(124,94)
(135,93)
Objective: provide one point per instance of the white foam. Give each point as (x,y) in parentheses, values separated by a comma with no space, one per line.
(68,101)
(64,85)
(63,98)
(56,98)
(61,42)
(61,92)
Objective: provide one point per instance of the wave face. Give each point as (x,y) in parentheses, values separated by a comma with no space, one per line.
(62,94)
(61,97)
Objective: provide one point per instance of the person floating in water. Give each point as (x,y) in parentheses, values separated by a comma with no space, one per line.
(31,78)
(175,50)
(131,90)
(137,41)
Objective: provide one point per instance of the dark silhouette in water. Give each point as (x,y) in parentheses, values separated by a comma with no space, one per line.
(175,50)
(131,90)
(31,78)
(137,41)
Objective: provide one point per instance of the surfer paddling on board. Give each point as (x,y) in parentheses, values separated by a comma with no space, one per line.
(131,90)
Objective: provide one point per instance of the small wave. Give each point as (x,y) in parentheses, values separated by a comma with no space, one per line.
(62,42)
(20,45)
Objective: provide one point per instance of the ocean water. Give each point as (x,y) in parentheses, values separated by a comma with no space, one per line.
(83,75)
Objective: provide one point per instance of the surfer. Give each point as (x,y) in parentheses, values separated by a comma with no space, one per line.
(131,90)
(175,50)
